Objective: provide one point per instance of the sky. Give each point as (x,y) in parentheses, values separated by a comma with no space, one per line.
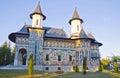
(101,18)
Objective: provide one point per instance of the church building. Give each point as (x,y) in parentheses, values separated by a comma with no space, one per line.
(52,49)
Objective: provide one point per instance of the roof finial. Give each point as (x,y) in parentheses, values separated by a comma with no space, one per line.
(25,23)
(39,2)
(75,8)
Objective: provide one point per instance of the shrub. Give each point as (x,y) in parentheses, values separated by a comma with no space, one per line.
(75,68)
(84,65)
(115,66)
(30,65)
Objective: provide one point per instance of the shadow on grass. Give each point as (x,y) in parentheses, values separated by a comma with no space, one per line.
(38,74)
(88,75)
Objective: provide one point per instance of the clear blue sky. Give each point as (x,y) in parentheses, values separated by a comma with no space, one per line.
(101,17)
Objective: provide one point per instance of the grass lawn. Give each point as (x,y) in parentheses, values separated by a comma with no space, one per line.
(37,74)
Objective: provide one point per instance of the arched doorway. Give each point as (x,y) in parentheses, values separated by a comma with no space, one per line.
(22,56)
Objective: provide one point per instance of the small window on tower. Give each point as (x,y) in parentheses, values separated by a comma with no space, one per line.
(37,22)
(77,27)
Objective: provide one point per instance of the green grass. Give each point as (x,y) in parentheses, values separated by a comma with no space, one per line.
(37,74)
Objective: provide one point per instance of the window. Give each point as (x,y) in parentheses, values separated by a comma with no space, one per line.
(59,58)
(77,27)
(47,57)
(59,68)
(37,22)
(70,58)
(47,68)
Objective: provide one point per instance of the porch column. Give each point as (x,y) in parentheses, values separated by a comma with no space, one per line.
(16,59)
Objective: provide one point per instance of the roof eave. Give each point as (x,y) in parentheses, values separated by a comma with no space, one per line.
(57,38)
(12,36)
(44,17)
(75,19)
(100,44)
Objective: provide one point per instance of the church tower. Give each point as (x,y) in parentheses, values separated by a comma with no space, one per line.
(75,23)
(37,17)
(36,33)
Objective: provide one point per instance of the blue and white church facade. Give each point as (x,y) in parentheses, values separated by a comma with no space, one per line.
(51,47)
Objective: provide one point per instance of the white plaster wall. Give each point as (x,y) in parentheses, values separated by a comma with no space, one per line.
(74,24)
(39,18)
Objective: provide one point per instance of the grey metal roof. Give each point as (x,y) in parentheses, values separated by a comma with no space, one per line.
(95,41)
(82,34)
(91,36)
(23,30)
(49,32)
(38,11)
(55,32)
(75,16)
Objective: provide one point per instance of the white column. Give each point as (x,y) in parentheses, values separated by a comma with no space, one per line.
(16,59)
(27,59)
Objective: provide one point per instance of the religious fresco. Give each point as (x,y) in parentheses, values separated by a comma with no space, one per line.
(36,44)
(57,43)
(54,48)
(53,57)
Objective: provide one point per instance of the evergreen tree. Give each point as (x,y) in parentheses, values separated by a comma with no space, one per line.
(84,65)
(77,69)
(115,66)
(30,65)
(4,45)
(74,68)
(1,56)
(5,54)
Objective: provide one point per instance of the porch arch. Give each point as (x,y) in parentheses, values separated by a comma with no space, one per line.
(22,56)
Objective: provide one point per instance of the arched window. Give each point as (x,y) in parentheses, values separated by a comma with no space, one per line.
(77,27)
(37,22)
(22,56)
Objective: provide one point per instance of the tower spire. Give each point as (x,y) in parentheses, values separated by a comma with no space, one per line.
(75,23)
(75,16)
(37,17)
(38,11)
